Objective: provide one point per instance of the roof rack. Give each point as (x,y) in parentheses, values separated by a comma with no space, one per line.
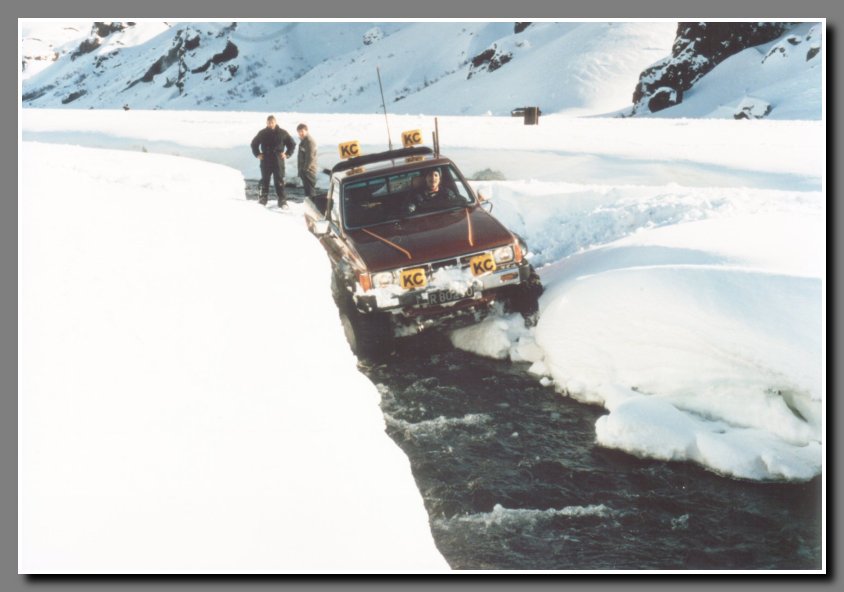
(380,156)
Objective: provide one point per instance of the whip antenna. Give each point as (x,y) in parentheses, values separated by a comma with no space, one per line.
(384,104)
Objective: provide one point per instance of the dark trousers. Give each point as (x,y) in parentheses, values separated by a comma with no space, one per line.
(308,182)
(272,165)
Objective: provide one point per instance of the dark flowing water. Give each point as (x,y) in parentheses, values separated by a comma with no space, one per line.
(512,479)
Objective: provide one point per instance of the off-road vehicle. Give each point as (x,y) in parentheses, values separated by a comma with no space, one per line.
(403,263)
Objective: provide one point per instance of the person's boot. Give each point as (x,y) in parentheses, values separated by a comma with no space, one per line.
(263,200)
(282,203)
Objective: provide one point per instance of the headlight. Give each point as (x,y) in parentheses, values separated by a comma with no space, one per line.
(382,279)
(503,254)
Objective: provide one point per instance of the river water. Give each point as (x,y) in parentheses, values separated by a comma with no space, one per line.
(512,479)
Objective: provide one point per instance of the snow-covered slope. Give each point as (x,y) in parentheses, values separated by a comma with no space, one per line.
(444,68)
(430,67)
(456,68)
(44,42)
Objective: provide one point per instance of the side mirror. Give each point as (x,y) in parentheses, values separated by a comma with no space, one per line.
(486,205)
(321,227)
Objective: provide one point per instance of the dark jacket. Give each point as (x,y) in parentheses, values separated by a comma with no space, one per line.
(273,141)
(307,156)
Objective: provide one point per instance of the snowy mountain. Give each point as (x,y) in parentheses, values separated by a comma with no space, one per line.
(432,67)
(712,69)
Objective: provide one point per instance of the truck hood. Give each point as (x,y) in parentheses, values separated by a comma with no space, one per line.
(431,237)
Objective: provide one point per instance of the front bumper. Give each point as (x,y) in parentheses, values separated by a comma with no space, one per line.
(424,302)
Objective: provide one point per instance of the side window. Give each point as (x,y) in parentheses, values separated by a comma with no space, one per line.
(452,180)
(356,196)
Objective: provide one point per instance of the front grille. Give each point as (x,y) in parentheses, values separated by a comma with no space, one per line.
(436,266)
(462,262)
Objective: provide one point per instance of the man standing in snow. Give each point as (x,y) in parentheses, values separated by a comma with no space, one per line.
(268,146)
(307,159)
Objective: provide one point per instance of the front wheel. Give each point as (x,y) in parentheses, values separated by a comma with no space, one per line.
(524,298)
(370,335)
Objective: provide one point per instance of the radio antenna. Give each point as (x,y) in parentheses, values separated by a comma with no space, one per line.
(384,105)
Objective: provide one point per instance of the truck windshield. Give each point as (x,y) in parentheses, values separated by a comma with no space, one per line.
(394,197)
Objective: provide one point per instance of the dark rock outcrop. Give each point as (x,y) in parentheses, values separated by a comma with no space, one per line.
(753,109)
(230,52)
(106,29)
(99,30)
(489,60)
(86,46)
(664,97)
(698,48)
(192,43)
(37,93)
(795,45)
(73,96)
(187,40)
(160,65)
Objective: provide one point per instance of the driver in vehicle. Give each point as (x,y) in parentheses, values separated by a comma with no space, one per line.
(435,193)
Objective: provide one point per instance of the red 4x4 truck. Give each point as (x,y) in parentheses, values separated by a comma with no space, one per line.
(407,256)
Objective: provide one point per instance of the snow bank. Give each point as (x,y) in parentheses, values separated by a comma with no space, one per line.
(187,401)
(703,341)
(563,149)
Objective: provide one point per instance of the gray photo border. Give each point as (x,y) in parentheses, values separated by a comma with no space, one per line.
(381,9)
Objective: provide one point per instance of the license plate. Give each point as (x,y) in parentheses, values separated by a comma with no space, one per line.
(413,278)
(481,264)
(445,296)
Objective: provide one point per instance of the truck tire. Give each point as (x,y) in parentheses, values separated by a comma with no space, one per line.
(524,298)
(370,335)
